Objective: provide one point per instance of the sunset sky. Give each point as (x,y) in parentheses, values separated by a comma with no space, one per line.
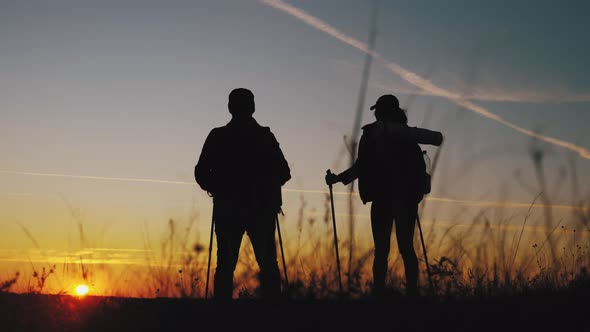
(105,105)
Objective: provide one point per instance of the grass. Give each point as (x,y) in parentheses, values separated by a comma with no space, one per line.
(484,258)
(488,275)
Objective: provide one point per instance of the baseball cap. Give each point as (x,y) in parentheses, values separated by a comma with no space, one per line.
(387,101)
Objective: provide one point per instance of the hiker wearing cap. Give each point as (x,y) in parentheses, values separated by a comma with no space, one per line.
(243,168)
(391,175)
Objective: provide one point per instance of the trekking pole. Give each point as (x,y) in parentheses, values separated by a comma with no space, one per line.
(425,255)
(335,234)
(282,252)
(209,259)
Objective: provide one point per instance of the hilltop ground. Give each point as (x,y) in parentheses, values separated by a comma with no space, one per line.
(543,310)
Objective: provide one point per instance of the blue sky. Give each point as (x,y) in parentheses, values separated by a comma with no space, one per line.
(130,89)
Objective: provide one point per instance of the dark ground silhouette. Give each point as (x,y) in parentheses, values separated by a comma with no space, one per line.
(536,311)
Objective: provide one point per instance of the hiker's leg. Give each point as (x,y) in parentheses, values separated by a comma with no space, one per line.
(405,223)
(381,226)
(262,235)
(228,231)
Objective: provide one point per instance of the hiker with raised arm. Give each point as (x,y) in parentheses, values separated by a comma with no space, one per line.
(391,174)
(243,168)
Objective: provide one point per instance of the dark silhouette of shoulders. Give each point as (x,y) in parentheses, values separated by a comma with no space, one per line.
(243,159)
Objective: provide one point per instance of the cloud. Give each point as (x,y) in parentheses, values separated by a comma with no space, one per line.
(91,177)
(16,194)
(492,86)
(86,256)
(305,191)
(414,79)
(490,94)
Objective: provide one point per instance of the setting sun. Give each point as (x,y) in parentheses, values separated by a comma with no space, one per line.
(82,290)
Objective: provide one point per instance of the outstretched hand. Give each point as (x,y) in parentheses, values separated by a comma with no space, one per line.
(331,178)
(439,139)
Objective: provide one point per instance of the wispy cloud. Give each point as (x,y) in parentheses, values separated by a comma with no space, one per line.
(491,87)
(90,177)
(86,256)
(415,79)
(447,224)
(308,191)
(16,194)
(484,203)
(490,94)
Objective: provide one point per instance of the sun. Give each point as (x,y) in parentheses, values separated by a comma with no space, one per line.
(82,290)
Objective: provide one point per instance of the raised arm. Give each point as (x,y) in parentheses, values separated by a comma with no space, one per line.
(425,136)
(400,131)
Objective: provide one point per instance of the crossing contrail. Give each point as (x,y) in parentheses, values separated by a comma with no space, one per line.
(414,78)
(302,191)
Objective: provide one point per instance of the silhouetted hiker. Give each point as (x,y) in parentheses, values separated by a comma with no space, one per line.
(243,168)
(391,174)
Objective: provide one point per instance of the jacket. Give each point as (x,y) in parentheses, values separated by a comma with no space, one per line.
(242,166)
(390,164)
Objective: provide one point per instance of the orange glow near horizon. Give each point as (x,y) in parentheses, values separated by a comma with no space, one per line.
(82,290)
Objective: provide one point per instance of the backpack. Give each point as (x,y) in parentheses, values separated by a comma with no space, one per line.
(391,168)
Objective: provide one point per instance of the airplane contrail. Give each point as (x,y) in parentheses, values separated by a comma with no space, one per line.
(16,194)
(90,177)
(307,191)
(449,223)
(414,78)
